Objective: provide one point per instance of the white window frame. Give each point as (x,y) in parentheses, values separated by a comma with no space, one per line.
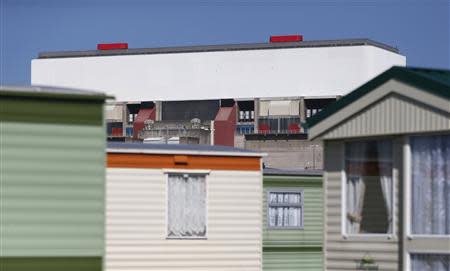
(408,191)
(407,183)
(204,173)
(381,236)
(302,207)
(409,254)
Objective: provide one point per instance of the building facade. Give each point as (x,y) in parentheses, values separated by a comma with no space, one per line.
(244,95)
(292,220)
(183,207)
(386,173)
(52,179)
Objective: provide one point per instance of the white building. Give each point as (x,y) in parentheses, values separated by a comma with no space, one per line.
(272,89)
(239,71)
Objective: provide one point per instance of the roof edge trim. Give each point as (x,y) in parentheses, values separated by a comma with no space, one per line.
(410,76)
(186,152)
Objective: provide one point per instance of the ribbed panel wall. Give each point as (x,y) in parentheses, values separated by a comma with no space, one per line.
(291,249)
(312,233)
(343,253)
(136,223)
(293,261)
(52,189)
(392,115)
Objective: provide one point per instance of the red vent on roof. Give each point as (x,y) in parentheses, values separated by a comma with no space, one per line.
(288,38)
(112,46)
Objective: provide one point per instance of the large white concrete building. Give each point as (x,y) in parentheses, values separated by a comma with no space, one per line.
(262,70)
(256,96)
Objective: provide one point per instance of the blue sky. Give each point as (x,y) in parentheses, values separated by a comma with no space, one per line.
(419,28)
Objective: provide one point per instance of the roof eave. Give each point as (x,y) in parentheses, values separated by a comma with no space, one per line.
(186,152)
(402,74)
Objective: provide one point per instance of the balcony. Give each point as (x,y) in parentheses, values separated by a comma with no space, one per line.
(279,125)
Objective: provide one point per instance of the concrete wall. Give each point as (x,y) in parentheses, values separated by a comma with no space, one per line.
(289,154)
(225,74)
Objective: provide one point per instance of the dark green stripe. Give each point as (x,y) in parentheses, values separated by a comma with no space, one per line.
(51,111)
(292,181)
(292,249)
(50,263)
(100,97)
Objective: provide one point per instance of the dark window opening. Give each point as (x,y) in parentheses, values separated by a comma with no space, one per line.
(314,106)
(246,111)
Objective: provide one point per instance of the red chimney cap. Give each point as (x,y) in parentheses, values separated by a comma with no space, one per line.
(112,46)
(286,38)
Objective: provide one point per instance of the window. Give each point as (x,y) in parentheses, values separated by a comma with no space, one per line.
(132,117)
(186,206)
(285,209)
(430,262)
(430,185)
(368,187)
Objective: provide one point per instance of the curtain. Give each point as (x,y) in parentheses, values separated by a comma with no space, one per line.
(186,206)
(384,154)
(355,202)
(356,188)
(430,262)
(430,201)
(284,216)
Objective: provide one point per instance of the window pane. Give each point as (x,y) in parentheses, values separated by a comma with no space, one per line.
(284,217)
(186,206)
(430,181)
(284,198)
(369,188)
(294,198)
(273,198)
(280,197)
(294,217)
(272,217)
(430,262)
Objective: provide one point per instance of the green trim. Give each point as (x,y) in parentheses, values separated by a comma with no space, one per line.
(50,263)
(14,109)
(293,181)
(434,81)
(293,249)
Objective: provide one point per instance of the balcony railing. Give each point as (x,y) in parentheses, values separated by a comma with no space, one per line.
(279,125)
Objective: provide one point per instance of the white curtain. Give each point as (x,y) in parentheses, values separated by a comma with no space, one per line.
(284,216)
(430,262)
(355,203)
(186,206)
(356,187)
(384,151)
(430,184)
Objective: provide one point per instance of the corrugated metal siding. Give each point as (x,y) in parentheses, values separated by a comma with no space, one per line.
(341,253)
(393,115)
(52,189)
(292,261)
(136,223)
(295,249)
